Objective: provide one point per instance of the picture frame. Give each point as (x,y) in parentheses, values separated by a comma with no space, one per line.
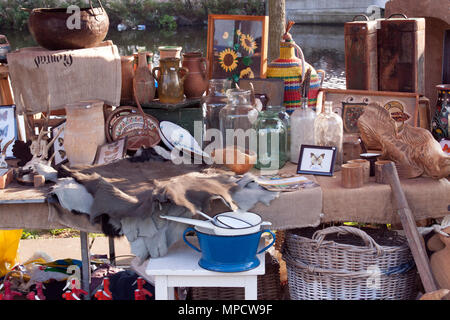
(58,145)
(237,46)
(111,152)
(8,128)
(316,160)
(405,107)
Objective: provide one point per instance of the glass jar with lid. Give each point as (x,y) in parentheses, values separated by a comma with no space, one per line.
(272,139)
(212,103)
(237,119)
(329,131)
(302,129)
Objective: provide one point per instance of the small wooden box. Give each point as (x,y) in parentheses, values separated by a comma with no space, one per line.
(6,177)
(361,55)
(401,55)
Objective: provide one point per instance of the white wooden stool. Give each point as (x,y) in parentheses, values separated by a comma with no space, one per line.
(179,268)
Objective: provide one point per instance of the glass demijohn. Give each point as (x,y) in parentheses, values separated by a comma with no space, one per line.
(329,131)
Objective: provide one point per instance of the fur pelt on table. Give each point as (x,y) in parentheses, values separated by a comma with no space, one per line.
(127,198)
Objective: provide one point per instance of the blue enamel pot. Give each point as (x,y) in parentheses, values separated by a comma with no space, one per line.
(228,253)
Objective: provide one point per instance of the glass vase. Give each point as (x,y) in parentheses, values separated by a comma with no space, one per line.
(212,103)
(272,139)
(329,131)
(237,119)
(302,129)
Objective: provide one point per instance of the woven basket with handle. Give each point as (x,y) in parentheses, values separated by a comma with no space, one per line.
(349,265)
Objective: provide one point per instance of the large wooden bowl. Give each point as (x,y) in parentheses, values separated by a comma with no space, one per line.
(49,28)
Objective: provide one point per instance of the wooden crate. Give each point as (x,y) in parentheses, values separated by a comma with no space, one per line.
(401,61)
(361,55)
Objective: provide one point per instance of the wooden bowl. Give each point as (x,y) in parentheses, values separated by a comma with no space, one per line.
(235,159)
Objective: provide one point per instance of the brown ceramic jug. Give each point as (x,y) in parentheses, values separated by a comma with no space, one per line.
(127,63)
(145,84)
(196,81)
(170,80)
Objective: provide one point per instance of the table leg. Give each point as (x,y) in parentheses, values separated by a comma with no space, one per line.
(112,251)
(162,292)
(86,264)
(251,288)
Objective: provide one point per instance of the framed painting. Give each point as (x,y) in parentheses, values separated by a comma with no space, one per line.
(58,145)
(8,128)
(111,152)
(237,46)
(404,107)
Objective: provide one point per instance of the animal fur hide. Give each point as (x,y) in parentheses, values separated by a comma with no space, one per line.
(413,150)
(127,202)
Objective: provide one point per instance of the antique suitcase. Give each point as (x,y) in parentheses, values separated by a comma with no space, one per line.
(361,54)
(401,49)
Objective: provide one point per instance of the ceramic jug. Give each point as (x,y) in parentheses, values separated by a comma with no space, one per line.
(170,80)
(145,84)
(197,78)
(442,113)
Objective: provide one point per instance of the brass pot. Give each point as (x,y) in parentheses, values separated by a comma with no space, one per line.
(57,29)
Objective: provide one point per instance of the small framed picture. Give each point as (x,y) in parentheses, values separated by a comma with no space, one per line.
(8,128)
(58,145)
(111,152)
(316,160)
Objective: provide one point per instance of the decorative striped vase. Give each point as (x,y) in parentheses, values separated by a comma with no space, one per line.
(289,68)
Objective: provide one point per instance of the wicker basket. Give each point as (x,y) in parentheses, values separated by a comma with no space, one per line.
(269,287)
(349,265)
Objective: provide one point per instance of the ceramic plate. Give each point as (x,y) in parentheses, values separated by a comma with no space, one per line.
(177,137)
(131,126)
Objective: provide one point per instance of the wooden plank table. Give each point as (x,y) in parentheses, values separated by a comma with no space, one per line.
(24,207)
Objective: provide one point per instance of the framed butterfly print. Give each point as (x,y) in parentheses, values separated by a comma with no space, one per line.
(237,46)
(8,128)
(316,160)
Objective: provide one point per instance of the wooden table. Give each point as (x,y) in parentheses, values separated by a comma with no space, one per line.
(23,207)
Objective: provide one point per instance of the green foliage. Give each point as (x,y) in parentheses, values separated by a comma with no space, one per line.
(29,234)
(135,12)
(167,22)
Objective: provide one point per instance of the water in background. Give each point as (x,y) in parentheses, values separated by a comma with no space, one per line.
(322,45)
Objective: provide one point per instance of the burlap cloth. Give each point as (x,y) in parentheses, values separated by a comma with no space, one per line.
(64,76)
(373,203)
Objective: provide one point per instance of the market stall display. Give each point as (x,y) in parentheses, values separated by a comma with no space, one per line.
(140,165)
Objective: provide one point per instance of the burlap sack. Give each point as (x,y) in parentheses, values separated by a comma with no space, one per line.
(39,75)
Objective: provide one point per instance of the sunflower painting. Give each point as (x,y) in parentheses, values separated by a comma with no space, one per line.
(237,47)
(248,43)
(228,60)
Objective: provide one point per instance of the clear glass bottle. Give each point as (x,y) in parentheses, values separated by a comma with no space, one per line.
(329,131)
(272,139)
(212,103)
(302,129)
(237,119)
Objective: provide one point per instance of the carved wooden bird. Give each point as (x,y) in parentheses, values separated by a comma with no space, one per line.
(413,150)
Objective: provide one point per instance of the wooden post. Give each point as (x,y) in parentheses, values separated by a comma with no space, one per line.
(277,19)
(409,226)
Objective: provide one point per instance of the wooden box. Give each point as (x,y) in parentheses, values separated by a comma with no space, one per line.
(401,61)
(361,55)
(6,177)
